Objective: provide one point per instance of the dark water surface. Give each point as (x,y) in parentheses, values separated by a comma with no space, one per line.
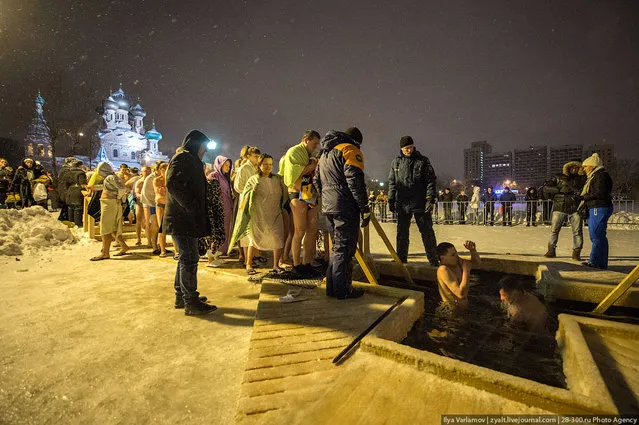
(482,335)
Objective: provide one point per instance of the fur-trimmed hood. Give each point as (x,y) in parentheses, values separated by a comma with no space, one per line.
(569,165)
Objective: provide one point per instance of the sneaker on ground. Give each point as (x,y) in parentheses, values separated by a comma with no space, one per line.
(216,263)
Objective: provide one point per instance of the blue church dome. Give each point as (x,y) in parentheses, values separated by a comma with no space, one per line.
(121,99)
(138,111)
(110,103)
(39,99)
(153,134)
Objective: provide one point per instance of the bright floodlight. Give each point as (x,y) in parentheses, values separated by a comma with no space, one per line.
(381,184)
(80,134)
(211,145)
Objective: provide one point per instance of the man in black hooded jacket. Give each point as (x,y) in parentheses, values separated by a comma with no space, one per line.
(411,191)
(185,219)
(341,183)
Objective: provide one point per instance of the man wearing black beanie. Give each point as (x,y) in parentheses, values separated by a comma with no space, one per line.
(411,192)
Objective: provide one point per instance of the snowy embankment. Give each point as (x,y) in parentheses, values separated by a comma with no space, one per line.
(624,221)
(31,230)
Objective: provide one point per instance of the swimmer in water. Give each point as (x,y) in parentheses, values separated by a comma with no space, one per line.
(524,308)
(453,274)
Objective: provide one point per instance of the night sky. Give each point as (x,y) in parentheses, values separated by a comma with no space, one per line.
(514,73)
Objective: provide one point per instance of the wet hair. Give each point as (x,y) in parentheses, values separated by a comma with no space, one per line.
(253,150)
(510,284)
(311,134)
(263,157)
(443,248)
(355,134)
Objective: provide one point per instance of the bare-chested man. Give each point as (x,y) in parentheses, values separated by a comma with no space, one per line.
(453,274)
(523,307)
(297,167)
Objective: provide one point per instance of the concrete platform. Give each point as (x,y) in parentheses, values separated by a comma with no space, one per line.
(292,347)
(600,359)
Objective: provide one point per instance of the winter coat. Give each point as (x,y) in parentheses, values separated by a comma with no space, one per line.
(24,176)
(564,189)
(75,178)
(474,200)
(489,197)
(185,213)
(599,193)
(340,179)
(446,197)
(6,175)
(507,198)
(462,200)
(411,182)
(531,194)
(63,182)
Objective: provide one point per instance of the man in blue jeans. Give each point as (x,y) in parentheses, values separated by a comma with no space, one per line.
(597,200)
(186,219)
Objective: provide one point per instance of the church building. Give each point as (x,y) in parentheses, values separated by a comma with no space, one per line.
(123,139)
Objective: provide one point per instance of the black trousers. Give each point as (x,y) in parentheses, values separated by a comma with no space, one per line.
(344,231)
(489,210)
(531,212)
(75,213)
(508,215)
(425,226)
(462,214)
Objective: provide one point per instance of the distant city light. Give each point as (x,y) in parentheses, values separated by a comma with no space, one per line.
(80,134)
(212,145)
(381,184)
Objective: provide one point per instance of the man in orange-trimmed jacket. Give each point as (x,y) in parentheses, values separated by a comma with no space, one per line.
(344,201)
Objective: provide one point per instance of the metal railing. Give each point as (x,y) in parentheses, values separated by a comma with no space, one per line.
(519,212)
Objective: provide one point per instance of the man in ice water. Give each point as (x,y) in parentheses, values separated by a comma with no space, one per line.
(453,274)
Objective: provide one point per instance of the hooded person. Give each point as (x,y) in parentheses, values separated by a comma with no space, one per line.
(596,198)
(342,188)
(61,187)
(564,189)
(186,220)
(531,206)
(412,192)
(222,173)
(111,220)
(76,182)
(474,204)
(23,179)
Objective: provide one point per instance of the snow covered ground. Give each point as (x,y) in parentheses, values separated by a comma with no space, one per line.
(31,230)
(85,342)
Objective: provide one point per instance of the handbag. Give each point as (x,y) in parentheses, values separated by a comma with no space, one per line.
(94,206)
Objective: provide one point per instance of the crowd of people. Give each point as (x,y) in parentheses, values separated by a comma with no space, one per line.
(319,193)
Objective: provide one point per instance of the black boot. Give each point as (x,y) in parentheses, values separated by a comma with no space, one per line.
(576,254)
(551,252)
(179,301)
(198,308)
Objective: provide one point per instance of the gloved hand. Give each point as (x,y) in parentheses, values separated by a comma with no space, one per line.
(366,217)
(429,206)
(391,206)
